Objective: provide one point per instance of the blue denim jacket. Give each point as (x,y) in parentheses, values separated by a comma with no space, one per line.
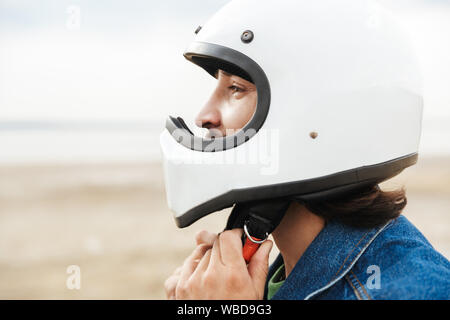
(394,261)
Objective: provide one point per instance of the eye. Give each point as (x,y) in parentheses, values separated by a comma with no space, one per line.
(236,89)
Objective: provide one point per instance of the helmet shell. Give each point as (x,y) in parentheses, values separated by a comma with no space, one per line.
(345,104)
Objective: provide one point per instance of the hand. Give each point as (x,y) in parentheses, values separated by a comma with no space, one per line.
(204,241)
(220,272)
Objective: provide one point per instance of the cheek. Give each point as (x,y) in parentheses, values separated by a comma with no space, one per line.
(237,114)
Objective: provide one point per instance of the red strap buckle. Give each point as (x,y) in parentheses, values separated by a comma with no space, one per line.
(251,245)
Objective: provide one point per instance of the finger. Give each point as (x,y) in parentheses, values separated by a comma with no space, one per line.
(203,264)
(177,271)
(170,285)
(192,261)
(205,237)
(216,258)
(231,247)
(258,266)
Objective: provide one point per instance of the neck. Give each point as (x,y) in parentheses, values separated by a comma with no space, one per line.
(295,233)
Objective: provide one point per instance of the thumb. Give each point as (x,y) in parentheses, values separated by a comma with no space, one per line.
(258,267)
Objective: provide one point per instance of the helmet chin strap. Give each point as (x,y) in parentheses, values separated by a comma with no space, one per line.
(258,219)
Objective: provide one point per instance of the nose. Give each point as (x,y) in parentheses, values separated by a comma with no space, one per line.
(209,117)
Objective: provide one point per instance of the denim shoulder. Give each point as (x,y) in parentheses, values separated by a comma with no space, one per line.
(401,264)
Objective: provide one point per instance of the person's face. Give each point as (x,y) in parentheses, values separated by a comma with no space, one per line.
(230,107)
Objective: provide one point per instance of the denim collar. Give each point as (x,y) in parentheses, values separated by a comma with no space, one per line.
(327,260)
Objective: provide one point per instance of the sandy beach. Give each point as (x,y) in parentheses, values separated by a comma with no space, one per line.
(113,222)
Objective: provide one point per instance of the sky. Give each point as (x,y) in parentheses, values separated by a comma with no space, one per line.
(120,63)
(122,60)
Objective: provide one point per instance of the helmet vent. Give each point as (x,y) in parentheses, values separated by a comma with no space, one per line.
(247,36)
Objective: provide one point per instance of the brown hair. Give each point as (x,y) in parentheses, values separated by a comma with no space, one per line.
(368,208)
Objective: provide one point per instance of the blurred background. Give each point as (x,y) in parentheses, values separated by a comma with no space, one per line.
(85,88)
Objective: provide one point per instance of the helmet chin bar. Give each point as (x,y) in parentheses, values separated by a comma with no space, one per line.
(326,187)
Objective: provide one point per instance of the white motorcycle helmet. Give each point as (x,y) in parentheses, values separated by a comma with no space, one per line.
(339,105)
